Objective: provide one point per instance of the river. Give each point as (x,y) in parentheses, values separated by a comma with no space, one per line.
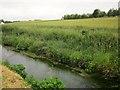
(41,70)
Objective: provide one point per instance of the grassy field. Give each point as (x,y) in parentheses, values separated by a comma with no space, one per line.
(90,44)
(11,79)
(93,23)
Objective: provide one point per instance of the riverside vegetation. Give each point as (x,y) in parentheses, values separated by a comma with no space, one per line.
(90,44)
(51,83)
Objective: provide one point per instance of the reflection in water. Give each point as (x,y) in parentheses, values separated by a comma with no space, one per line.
(41,70)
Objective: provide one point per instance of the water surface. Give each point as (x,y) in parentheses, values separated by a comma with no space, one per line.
(41,70)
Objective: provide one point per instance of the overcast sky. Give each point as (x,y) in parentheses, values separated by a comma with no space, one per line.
(50,9)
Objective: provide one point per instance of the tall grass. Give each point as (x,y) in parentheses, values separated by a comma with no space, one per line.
(78,43)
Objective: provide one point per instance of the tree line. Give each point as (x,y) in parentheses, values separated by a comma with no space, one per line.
(96,13)
(1,20)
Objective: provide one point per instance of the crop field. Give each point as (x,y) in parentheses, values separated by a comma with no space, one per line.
(94,22)
(90,44)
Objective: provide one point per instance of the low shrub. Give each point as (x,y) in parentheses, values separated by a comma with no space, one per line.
(20,69)
(52,83)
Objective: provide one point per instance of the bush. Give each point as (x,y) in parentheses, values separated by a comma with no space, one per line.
(51,83)
(20,69)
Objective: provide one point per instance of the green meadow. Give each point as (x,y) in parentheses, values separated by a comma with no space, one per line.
(88,44)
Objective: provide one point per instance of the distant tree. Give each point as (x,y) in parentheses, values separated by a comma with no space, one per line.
(84,16)
(102,14)
(118,12)
(68,16)
(90,15)
(65,17)
(110,13)
(96,13)
(72,16)
(115,12)
(7,21)
(77,16)
(1,20)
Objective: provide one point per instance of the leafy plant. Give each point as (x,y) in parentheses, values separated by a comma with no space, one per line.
(20,69)
(49,83)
